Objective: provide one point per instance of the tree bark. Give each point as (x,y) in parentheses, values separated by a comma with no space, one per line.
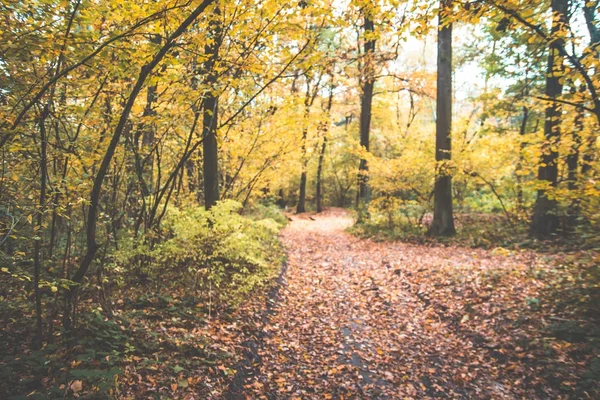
(573,161)
(443,218)
(302,195)
(545,220)
(319,192)
(519,178)
(573,157)
(210,151)
(325,130)
(303,178)
(309,99)
(147,164)
(38,243)
(366,102)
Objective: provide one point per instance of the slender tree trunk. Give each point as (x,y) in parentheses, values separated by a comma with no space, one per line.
(303,178)
(522,132)
(38,243)
(325,131)
(280,199)
(573,157)
(545,220)
(366,102)
(589,156)
(573,168)
(319,193)
(443,218)
(210,164)
(302,194)
(308,101)
(210,151)
(190,167)
(148,134)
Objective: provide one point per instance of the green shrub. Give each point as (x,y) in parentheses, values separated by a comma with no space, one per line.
(267,210)
(218,251)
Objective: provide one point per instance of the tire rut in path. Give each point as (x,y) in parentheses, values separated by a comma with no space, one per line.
(247,370)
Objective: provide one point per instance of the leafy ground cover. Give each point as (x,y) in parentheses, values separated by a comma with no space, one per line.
(348,317)
(166,323)
(365,319)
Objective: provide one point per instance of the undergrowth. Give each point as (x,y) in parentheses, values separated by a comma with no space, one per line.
(149,317)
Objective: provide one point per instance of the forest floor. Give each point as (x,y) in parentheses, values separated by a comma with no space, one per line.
(356,318)
(348,318)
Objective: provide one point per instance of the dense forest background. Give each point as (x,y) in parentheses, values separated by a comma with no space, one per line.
(152,151)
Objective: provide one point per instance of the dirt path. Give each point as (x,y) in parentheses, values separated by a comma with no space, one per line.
(358,319)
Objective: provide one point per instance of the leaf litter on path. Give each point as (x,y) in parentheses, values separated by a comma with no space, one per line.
(360,319)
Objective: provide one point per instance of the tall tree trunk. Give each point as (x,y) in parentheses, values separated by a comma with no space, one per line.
(366,102)
(309,99)
(589,156)
(593,24)
(210,161)
(303,178)
(573,167)
(443,219)
(190,167)
(210,151)
(319,192)
(522,132)
(573,157)
(545,220)
(325,131)
(302,194)
(148,143)
(38,243)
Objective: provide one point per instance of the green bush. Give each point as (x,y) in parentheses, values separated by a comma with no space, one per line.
(220,251)
(267,210)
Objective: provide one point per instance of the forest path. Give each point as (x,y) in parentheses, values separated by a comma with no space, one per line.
(350,322)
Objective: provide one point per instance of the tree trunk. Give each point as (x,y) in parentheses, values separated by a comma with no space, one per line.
(308,102)
(319,193)
(302,194)
(366,102)
(443,219)
(522,133)
(210,151)
(190,167)
(280,199)
(573,168)
(148,143)
(210,164)
(545,220)
(325,130)
(38,243)
(589,155)
(573,157)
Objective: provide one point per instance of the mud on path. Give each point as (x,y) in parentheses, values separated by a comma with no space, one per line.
(359,319)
